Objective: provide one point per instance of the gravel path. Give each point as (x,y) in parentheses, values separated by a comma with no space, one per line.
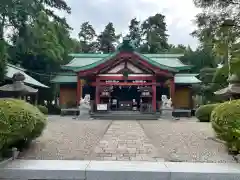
(68,139)
(185,141)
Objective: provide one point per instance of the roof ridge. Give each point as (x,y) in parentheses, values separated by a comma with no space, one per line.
(160,55)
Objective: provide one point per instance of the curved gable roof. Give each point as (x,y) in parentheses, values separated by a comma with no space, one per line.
(168,62)
(88,61)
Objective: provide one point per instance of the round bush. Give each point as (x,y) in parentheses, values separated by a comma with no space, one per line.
(40,119)
(19,121)
(203,113)
(43,109)
(225,120)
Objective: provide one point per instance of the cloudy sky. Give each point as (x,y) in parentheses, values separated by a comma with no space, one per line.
(179,15)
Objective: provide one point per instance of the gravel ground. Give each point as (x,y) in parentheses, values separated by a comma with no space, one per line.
(185,140)
(68,139)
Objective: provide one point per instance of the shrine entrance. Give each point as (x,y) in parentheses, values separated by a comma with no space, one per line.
(125,98)
(127,95)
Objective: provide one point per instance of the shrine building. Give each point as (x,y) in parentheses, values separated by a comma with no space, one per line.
(126,80)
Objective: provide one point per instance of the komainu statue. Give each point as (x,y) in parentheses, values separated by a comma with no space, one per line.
(84,107)
(166,103)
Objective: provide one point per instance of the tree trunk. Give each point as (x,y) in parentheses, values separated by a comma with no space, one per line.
(2,25)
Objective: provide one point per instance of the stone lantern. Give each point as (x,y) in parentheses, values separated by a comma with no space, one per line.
(232,90)
(18,88)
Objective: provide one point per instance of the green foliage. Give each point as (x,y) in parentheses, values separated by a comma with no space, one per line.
(225,120)
(218,27)
(203,113)
(19,121)
(3,59)
(43,109)
(154,34)
(207,74)
(135,33)
(179,49)
(107,39)
(220,78)
(41,39)
(87,35)
(203,57)
(215,3)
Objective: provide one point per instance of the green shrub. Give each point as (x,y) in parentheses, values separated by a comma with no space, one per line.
(203,113)
(225,120)
(43,109)
(19,121)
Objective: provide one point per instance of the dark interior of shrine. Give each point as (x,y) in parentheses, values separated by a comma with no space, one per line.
(125,93)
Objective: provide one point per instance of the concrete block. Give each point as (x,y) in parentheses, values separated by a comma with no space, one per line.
(203,171)
(128,170)
(44,169)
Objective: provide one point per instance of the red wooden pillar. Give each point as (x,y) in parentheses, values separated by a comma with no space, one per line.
(154,95)
(79,91)
(97,94)
(172,90)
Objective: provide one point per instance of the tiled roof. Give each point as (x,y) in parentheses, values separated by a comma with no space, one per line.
(87,61)
(186,79)
(11,70)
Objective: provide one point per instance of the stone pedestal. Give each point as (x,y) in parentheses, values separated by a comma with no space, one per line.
(84,112)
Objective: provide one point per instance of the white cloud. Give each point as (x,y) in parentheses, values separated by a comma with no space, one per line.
(179,15)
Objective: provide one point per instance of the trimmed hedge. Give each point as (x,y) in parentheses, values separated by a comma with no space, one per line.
(203,113)
(43,109)
(225,120)
(19,121)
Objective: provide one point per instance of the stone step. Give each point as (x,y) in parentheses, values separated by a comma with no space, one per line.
(125,116)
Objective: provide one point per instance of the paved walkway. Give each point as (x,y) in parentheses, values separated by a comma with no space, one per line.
(125,140)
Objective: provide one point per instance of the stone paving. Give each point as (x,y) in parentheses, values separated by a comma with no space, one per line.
(125,140)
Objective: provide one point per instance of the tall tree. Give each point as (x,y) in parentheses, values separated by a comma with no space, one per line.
(18,14)
(87,36)
(41,49)
(199,59)
(219,26)
(135,33)
(154,32)
(107,39)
